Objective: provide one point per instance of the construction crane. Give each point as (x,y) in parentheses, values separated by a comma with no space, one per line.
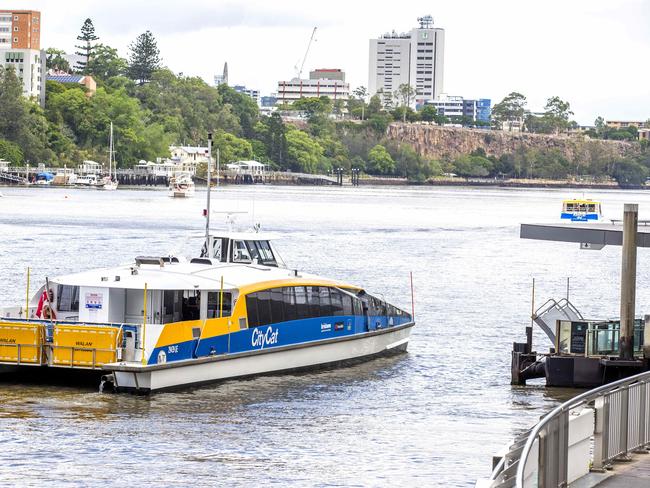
(311,39)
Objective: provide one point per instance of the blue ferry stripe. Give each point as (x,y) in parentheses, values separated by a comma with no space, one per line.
(275,335)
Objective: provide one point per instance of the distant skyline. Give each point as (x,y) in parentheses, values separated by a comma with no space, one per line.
(593,54)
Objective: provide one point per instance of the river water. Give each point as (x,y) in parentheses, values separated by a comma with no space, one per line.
(431,417)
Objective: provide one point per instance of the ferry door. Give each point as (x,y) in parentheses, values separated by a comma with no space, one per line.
(366,317)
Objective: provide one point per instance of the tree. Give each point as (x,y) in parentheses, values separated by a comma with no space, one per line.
(232,148)
(510,111)
(380,161)
(599,124)
(405,94)
(374,106)
(86,49)
(106,63)
(11,152)
(303,152)
(557,113)
(144,59)
(361,93)
(428,113)
(56,61)
(313,105)
(629,174)
(473,165)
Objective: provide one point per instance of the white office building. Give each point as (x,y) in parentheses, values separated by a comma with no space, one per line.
(322,82)
(415,58)
(29,66)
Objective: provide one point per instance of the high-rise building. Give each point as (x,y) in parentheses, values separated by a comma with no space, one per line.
(20,49)
(20,29)
(415,59)
(322,82)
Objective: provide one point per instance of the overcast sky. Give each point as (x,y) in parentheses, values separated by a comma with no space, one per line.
(593,53)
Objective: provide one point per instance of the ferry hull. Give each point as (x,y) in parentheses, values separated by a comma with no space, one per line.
(146,379)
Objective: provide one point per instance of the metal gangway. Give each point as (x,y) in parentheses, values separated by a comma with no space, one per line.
(588,433)
(13,178)
(551,311)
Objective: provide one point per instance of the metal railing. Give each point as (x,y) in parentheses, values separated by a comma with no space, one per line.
(540,457)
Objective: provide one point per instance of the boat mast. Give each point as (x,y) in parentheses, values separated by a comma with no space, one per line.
(110,154)
(207,212)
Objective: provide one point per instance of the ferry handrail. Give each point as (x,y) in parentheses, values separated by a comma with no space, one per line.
(563,410)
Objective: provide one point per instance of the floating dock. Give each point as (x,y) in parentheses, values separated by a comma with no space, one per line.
(588,353)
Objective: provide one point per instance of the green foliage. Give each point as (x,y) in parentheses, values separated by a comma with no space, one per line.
(144,58)
(630,174)
(11,152)
(21,121)
(231,147)
(509,110)
(380,161)
(303,152)
(473,165)
(55,60)
(313,105)
(87,48)
(106,63)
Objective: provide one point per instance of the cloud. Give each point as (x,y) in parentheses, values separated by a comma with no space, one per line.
(170,18)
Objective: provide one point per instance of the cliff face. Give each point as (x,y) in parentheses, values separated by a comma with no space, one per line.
(448,143)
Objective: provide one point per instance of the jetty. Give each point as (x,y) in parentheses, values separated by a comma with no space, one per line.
(588,353)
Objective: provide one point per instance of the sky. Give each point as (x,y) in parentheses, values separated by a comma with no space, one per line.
(593,53)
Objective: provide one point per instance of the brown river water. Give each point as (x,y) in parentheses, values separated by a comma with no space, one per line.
(431,417)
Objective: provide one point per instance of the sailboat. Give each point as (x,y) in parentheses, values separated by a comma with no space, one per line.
(110,182)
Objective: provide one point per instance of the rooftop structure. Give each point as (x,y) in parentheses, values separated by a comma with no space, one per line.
(84,80)
(322,82)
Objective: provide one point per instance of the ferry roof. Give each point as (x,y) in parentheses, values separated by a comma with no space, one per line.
(604,234)
(194,276)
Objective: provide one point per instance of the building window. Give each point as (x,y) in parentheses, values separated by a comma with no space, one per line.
(15,39)
(16,29)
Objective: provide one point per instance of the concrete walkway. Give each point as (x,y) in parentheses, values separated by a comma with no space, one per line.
(633,475)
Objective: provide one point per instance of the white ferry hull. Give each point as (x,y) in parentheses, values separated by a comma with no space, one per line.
(146,379)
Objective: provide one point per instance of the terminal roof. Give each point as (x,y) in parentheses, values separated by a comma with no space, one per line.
(605,234)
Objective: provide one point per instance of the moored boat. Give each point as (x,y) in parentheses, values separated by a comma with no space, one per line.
(181,185)
(167,322)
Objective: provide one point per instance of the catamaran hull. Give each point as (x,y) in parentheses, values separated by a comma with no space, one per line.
(146,379)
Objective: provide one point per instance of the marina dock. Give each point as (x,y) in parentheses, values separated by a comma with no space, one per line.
(588,353)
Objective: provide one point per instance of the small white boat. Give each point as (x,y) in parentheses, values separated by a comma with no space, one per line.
(88,180)
(109,182)
(181,185)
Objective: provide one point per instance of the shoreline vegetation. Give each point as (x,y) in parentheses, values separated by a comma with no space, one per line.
(152,108)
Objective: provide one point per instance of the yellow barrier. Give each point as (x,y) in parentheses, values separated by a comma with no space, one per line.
(21,343)
(85,346)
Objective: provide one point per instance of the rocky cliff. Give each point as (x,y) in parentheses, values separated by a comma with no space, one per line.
(447,143)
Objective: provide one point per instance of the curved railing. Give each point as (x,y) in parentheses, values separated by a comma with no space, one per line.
(588,432)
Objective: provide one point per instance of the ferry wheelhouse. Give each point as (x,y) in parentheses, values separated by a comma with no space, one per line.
(581,210)
(167,322)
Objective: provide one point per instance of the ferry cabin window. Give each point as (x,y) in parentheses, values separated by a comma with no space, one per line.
(191,306)
(214,306)
(219,247)
(240,252)
(299,302)
(260,251)
(67,298)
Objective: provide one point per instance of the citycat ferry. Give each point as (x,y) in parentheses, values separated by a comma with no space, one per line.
(167,322)
(577,210)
